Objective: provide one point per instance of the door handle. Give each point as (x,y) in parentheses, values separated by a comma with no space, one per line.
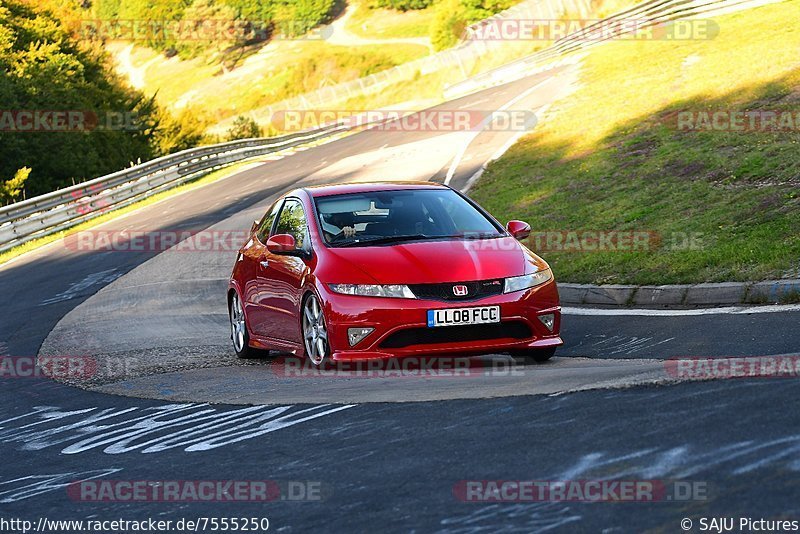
(264,264)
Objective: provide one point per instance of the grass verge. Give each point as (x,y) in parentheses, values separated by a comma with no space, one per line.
(720,205)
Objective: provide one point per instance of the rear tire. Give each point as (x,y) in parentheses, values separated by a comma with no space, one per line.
(538,355)
(239,334)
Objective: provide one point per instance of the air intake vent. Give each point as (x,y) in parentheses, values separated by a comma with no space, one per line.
(458,291)
(455,334)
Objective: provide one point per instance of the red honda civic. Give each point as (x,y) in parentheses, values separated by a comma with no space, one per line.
(381,270)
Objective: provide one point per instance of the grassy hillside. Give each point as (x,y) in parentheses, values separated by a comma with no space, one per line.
(280,70)
(220,82)
(613,158)
(382,23)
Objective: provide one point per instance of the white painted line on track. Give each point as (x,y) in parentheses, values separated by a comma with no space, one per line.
(459,156)
(731,310)
(502,150)
(471,104)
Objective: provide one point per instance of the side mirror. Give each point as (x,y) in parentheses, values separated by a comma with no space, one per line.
(519,229)
(282,244)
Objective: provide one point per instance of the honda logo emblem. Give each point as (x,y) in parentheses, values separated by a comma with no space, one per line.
(460,291)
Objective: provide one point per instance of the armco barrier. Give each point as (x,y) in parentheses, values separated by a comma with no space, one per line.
(53,212)
(462,57)
(650,13)
(46,214)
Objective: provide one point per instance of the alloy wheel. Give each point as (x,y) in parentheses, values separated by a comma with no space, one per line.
(238,328)
(315,333)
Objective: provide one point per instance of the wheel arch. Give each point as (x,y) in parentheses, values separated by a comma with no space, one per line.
(233,289)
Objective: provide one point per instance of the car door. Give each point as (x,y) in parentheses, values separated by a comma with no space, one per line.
(286,274)
(258,286)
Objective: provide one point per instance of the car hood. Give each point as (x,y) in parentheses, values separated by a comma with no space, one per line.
(428,262)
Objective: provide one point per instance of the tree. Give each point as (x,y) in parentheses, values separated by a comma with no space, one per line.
(404,5)
(210,26)
(10,189)
(296,17)
(452,17)
(46,69)
(449,23)
(243,128)
(187,130)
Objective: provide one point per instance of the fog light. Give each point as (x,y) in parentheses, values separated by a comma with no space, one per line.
(355,335)
(548,320)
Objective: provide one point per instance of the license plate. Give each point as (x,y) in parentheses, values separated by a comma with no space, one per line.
(463,316)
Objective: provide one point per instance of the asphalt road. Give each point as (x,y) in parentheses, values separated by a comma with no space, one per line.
(391,466)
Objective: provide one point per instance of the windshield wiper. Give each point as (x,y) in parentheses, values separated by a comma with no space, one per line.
(417,237)
(485,235)
(393,239)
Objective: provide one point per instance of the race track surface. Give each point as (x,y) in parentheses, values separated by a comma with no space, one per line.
(389,453)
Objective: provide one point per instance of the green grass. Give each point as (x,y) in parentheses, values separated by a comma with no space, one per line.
(427,90)
(611,158)
(281,70)
(378,23)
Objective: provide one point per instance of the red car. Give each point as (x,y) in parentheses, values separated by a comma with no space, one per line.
(381,270)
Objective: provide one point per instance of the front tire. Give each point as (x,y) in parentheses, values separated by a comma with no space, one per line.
(314,330)
(239,334)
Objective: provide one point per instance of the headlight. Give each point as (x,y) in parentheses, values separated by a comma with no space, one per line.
(527,281)
(391,291)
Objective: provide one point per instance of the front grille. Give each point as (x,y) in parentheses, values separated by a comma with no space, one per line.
(475,290)
(454,334)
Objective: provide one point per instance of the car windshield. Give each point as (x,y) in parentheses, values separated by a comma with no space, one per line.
(386,217)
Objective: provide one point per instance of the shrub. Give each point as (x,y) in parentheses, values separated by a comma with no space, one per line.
(448,24)
(220,19)
(297,17)
(11,189)
(404,5)
(243,128)
(186,130)
(453,16)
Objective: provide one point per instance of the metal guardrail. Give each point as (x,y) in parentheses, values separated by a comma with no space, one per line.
(646,14)
(50,213)
(56,211)
(461,58)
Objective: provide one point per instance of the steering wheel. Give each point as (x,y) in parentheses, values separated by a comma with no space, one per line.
(337,237)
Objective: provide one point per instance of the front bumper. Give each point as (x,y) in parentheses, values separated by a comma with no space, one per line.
(401,325)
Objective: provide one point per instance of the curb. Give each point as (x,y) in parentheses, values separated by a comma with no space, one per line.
(695,295)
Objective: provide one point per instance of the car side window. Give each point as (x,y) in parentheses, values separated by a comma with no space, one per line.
(266,224)
(292,221)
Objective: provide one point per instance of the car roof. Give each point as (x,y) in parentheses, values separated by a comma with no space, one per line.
(366,187)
